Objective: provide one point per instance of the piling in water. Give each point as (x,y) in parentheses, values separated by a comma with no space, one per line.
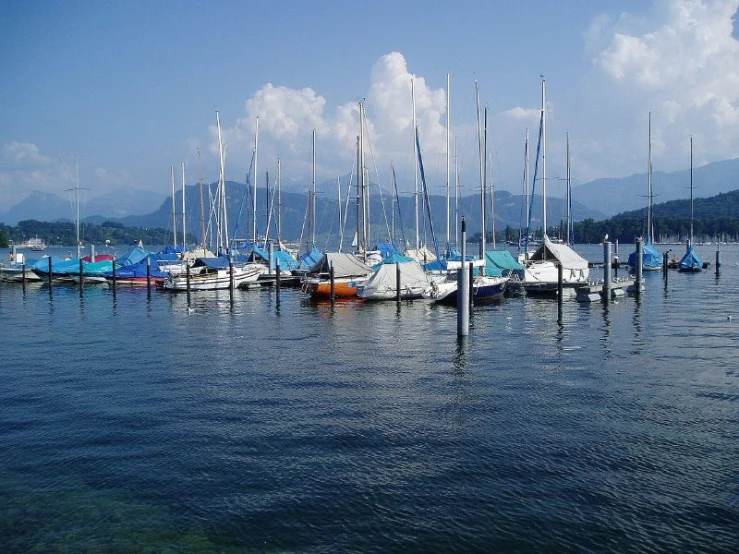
(718,259)
(560,285)
(639,266)
(82,275)
(148,273)
(463,290)
(606,270)
(114,276)
(49,272)
(397,282)
(278,277)
(332,290)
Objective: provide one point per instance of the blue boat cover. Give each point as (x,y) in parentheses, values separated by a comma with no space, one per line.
(286,261)
(501,262)
(691,260)
(651,257)
(393,259)
(386,249)
(133,256)
(215,263)
(310,259)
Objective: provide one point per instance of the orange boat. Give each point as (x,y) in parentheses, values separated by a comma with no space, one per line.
(349,273)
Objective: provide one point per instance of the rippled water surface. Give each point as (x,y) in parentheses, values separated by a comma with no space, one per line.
(137,423)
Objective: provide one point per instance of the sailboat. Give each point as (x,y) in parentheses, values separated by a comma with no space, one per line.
(691,261)
(220,272)
(541,272)
(651,257)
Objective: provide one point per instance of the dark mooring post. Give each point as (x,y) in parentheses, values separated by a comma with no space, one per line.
(639,266)
(148,273)
(230,275)
(23,276)
(278,285)
(607,270)
(397,282)
(82,276)
(718,258)
(332,289)
(114,276)
(187,277)
(463,290)
(664,265)
(560,285)
(49,272)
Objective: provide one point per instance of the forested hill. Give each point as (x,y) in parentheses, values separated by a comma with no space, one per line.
(714,218)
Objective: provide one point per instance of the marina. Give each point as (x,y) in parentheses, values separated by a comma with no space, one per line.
(245,421)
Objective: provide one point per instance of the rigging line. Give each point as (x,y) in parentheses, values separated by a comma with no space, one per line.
(426,195)
(377,176)
(346,204)
(533,183)
(243,199)
(397,203)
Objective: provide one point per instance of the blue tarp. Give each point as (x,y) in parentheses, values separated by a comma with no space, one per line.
(502,263)
(386,249)
(651,257)
(393,259)
(286,261)
(309,259)
(134,256)
(691,260)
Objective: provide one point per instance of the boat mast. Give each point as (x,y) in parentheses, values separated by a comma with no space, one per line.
(456,191)
(313,191)
(184,235)
(691,190)
(77,217)
(650,238)
(279,206)
(569,193)
(415,157)
(174,209)
(526,195)
(254,186)
(202,209)
(362,172)
(223,223)
(544,151)
(481,154)
(448,130)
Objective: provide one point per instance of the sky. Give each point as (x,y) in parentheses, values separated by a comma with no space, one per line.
(123,90)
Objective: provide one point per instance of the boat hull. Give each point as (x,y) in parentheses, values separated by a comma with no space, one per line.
(344,287)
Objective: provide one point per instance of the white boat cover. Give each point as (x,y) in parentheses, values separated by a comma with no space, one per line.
(423,255)
(345,265)
(560,252)
(384,280)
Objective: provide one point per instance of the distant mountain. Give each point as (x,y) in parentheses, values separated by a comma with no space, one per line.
(385,214)
(613,196)
(43,206)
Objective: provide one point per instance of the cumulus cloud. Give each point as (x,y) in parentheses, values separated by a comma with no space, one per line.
(288,116)
(680,62)
(24,155)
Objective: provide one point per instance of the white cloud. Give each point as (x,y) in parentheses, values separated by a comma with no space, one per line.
(24,155)
(288,116)
(679,61)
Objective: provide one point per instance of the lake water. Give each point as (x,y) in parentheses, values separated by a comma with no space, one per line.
(136,423)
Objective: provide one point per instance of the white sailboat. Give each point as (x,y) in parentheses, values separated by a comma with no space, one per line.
(541,272)
(220,272)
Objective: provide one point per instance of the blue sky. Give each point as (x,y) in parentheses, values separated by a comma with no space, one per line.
(128,88)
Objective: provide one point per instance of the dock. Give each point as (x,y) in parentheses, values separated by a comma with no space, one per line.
(596,291)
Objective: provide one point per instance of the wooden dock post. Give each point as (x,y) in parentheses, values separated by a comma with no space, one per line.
(187,277)
(463,290)
(332,290)
(114,275)
(560,280)
(639,266)
(718,258)
(148,273)
(23,276)
(82,275)
(278,284)
(607,276)
(230,274)
(50,278)
(397,282)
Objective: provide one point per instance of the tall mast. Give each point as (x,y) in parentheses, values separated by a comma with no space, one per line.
(174,207)
(569,193)
(526,194)
(481,154)
(456,192)
(650,238)
(223,220)
(415,158)
(313,191)
(544,151)
(279,205)
(365,188)
(202,208)
(691,190)
(184,235)
(448,129)
(254,186)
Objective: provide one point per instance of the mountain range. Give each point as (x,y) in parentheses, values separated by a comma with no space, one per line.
(596,200)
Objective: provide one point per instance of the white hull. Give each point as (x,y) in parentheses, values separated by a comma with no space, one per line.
(544,276)
(215,279)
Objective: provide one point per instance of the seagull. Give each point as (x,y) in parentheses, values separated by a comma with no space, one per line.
(605,238)
(728,317)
